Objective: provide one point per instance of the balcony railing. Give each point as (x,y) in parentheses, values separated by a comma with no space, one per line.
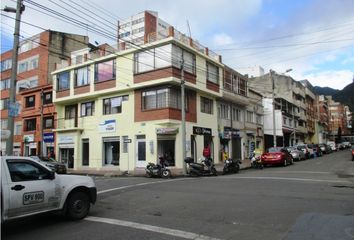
(69,123)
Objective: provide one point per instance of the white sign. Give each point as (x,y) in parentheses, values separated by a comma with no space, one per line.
(107,126)
(28,138)
(66,139)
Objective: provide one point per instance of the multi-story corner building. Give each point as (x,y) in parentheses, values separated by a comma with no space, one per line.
(322,128)
(290,109)
(141,28)
(37,58)
(120,111)
(240,116)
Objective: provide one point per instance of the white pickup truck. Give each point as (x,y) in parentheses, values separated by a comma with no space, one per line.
(29,187)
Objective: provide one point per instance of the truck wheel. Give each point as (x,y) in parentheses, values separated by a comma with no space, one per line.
(78,205)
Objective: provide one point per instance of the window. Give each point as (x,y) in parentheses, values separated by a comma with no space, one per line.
(5,84)
(70,111)
(236,114)
(224,111)
(105,71)
(29,45)
(259,119)
(85,152)
(27,83)
(48,122)
(26,171)
(206,105)
(6,64)
(30,124)
(125,144)
(28,64)
(111,151)
(87,109)
(284,120)
(82,76)
(212,73)
(153,59)
(188,58)
(48,98)
(3,123)
(18,128)
(162,98)
(249,116)
(4,103)
(63,81)
(242,87)
(30,101)
(113,105)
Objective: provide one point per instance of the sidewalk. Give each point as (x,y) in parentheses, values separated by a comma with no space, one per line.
(141,171)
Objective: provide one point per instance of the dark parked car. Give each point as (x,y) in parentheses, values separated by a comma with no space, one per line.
(277,156)
(325,148)
(56,166)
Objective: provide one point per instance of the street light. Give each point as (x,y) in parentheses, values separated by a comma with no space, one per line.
(273,101)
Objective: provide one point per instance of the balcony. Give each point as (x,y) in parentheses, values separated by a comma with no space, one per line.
(65,125)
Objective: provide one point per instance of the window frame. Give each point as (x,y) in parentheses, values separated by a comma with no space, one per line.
(44,122)
(87,74)
(206,105)
(43,174)
(26,124)
(45,101)
(68,112)
(86,107)
(114,74)
(28,103)
(61,86)
(208,73)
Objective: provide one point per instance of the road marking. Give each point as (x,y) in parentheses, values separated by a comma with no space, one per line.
(290,179)
(142,184)
(162,230)
(309,172)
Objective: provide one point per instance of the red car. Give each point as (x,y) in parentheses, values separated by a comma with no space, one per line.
(277,156)
(352,152)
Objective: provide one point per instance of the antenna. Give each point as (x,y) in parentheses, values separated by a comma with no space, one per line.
(189,29)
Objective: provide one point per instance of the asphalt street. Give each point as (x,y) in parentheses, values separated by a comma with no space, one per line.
(312,199)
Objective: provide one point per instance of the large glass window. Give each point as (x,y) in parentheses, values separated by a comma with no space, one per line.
(63,81)
(70,111)
(112,105)
(6,64)
(28,64)
(4,103)
(188,59)
(105,71)
(249,116)
(85,152)
(87,109)
(82,76)
(30,124)
(48,122)
(162,98)
(206,105)
(30,101)
(5,84)
(212,73)
(111,151)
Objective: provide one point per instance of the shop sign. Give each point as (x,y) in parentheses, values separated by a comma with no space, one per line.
(201,131)
(66,139)
(107,126)
(166,130)
(48,137)
(28,138)
(231,132)
(32,145)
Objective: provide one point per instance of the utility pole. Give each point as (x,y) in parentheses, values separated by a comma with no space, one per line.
(12,98)
(273,102)
(183,120)
(42,126)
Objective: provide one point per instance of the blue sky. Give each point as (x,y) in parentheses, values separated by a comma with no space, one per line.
(313,37)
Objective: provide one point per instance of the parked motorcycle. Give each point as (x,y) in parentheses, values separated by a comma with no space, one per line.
(206,168)
(256,162)
(231,166)
(158,170)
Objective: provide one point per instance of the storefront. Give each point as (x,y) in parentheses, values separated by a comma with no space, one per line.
(166,144)
(48,139)
(207,140)
(66,150)
(30,146)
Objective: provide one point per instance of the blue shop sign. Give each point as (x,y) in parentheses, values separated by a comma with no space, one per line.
(48,137)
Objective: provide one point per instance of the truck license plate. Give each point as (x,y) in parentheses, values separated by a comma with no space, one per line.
(33,197)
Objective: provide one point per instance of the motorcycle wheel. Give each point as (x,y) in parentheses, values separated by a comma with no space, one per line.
(237,168)
(213,171)
(148,174)
(224,171)
(166,173)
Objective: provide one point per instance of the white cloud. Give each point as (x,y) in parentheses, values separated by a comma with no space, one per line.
(333,79)
(221,39)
